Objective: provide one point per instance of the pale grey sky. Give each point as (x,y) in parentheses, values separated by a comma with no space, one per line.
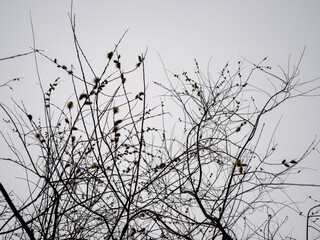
(179,31)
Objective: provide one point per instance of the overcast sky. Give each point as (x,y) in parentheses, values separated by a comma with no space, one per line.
(178,31)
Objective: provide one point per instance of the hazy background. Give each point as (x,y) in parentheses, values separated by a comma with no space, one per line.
(178,31)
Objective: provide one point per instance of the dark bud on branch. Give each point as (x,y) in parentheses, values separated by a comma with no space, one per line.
(115,110)
(109,55)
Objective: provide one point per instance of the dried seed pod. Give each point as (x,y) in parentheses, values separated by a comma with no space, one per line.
(70,105)
(83,95)
(117,122)
(96,80)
